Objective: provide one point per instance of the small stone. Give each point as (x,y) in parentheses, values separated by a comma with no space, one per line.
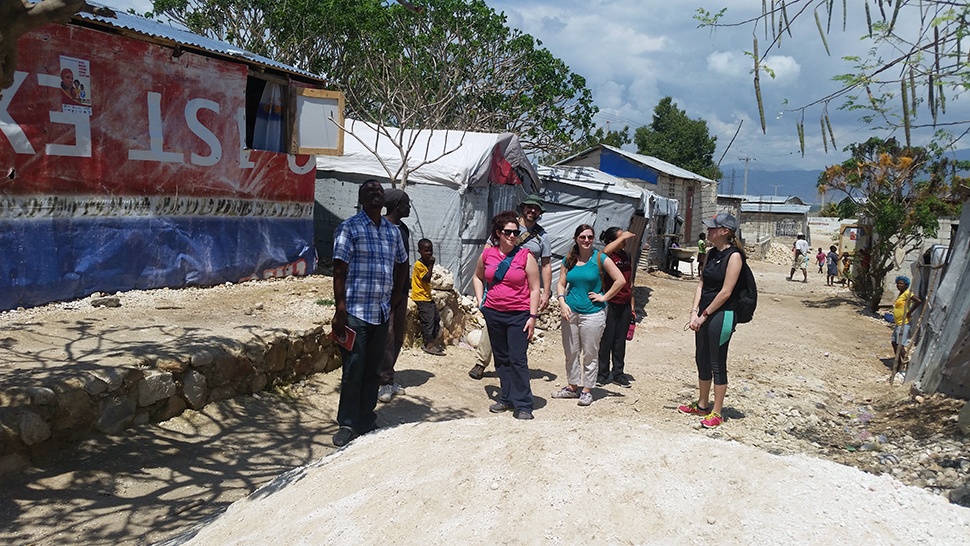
(494,486)
(153,388)
(107,301)
(920,399)
(710,520)
(171,365)
(258,306)
(41,396)
(194,389)
(33,428)
(201,358)
(115,415)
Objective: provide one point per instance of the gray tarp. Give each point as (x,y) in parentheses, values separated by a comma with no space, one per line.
(584,195)
(941,358)
(452,198)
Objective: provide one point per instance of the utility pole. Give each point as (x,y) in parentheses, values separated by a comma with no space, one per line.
(776,188)
(746,160)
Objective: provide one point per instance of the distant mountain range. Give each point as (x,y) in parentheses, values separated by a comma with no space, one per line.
(762,179)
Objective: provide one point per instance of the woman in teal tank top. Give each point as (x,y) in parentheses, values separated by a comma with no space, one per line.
(582,305)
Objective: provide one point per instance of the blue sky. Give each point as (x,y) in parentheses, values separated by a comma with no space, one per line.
(633,53)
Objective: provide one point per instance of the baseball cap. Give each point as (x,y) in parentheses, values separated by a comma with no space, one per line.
(392,197)
(724,220)
(533,199)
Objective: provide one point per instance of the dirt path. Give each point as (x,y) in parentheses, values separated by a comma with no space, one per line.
(785,397)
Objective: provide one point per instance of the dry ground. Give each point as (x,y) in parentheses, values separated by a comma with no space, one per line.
(156,481)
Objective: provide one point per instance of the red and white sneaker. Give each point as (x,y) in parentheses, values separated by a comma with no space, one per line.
(713,420)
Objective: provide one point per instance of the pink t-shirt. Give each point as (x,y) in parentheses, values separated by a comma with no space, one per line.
(512,293)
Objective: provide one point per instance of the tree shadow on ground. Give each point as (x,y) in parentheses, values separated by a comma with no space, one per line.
(165,477)
(832,302)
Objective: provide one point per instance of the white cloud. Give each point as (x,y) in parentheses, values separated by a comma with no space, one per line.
(729,63)
(786,69)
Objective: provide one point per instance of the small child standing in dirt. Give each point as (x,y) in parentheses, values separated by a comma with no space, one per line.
(820,258)
(421,295)
(846,270)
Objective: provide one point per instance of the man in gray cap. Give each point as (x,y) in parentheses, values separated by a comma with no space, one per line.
(533,238)
(398,205)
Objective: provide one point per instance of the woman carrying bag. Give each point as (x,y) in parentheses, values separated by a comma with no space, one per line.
(712,317)
(507,290)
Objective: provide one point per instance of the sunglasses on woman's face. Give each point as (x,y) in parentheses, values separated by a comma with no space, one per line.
(509,232)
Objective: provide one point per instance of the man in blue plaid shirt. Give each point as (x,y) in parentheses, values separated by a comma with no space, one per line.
(369,270)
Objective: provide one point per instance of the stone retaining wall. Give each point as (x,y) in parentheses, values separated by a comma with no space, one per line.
(52,411)
(35,420)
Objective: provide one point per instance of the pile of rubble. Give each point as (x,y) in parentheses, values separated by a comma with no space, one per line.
(778,254)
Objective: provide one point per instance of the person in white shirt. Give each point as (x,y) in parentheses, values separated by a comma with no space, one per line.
(800,249)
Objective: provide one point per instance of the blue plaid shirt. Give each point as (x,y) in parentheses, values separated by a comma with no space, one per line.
(370,252)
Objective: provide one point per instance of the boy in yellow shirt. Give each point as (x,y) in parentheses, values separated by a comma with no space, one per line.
(903,308)
(421,295)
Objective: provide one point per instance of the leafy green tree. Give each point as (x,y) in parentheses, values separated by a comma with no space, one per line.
(829,210)
(677,139)
(902,191)
(908,66)
(437,64)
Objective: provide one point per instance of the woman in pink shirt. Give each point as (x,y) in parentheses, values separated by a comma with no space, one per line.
(507,290)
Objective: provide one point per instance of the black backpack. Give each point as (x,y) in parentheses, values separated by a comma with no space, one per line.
(747,294)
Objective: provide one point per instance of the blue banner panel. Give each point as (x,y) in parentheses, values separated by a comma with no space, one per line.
(45,260)
(621,167)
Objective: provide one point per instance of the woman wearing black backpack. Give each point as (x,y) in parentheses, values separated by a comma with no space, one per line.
(712,316)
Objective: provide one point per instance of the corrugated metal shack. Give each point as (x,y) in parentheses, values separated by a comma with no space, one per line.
(138,155)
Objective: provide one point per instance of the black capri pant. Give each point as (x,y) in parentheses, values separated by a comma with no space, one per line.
(711,346)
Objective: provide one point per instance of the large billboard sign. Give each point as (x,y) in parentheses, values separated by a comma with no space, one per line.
(122,166)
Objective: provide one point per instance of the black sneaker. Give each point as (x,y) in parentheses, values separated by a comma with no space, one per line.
(622,381)
(343,436)
(523,414)
(600,381)
(499,407)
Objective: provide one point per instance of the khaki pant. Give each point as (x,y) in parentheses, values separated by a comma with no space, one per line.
(581,336)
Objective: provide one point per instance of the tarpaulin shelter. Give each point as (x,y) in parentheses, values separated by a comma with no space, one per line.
(696,194)
(453,198)
(128,162)
(584,195)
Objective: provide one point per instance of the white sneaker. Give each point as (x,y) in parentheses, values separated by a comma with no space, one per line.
(385,393)
(398,389)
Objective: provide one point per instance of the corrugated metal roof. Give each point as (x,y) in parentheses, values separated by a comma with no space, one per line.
(652,162)
(759,198)
(183,37)
(774,208)
(659,165)
(589,177)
